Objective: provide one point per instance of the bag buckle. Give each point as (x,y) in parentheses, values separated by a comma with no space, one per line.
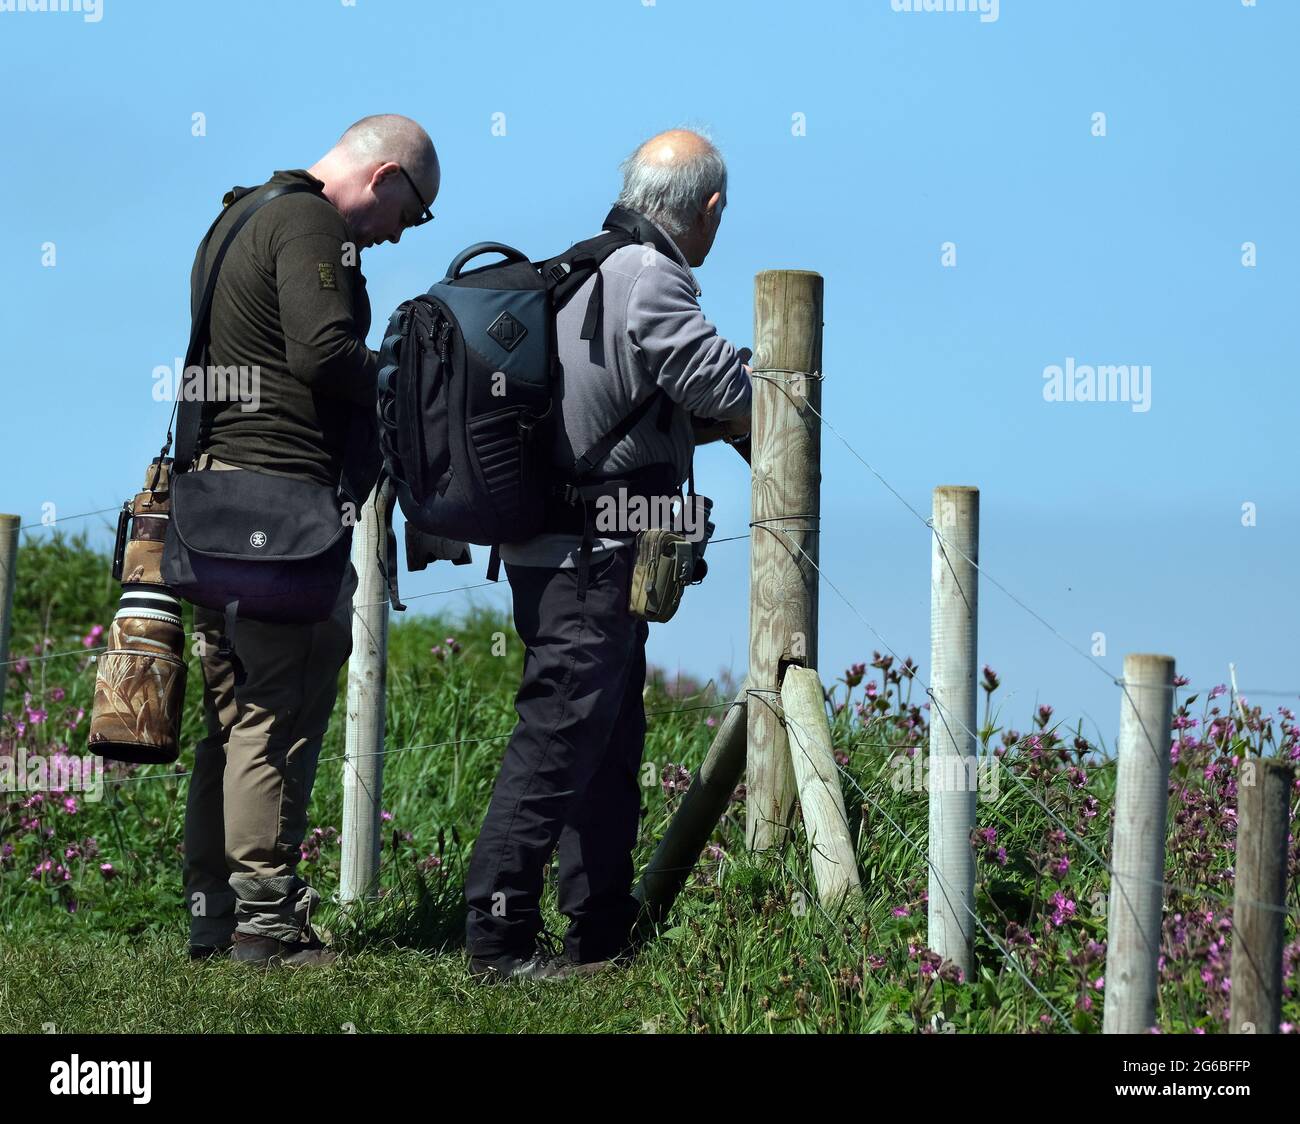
(683,560)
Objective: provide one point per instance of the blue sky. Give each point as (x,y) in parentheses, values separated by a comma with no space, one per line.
(921,128)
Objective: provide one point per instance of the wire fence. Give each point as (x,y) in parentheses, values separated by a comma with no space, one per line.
(175,774)
(1003,760)
(1151,738)
(971,734)
(1242,693)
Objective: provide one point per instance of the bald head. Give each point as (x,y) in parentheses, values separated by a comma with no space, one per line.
(671,177)
(363,176)
(390,137)
(674,147)
(678,178)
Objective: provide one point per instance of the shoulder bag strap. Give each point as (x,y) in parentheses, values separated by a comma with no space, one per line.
(190,416)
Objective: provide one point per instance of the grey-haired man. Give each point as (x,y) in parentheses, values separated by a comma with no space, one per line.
(570,774)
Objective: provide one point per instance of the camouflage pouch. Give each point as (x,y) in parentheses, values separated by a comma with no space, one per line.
(665,563)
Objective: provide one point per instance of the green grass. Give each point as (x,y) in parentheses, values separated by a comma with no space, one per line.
(746,950)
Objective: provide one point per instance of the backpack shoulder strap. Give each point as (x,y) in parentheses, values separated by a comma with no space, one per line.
(386,488)
(189,415)
(587,463)
(564,274)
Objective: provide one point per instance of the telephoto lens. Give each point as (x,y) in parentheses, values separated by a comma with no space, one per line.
(140,684)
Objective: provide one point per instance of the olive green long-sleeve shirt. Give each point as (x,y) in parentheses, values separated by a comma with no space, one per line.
(288,305)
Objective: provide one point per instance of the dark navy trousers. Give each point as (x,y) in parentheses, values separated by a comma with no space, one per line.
(569,779)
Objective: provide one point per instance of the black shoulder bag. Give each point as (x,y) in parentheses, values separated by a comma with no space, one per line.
(251,544)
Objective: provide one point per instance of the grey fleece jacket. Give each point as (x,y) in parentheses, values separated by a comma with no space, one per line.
(652,333)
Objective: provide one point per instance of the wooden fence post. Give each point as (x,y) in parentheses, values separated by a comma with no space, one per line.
(363,755)
(952,777)
(693,822)
(8,563)
(1259,895)
(821,799)
(1136,900)
(786,506)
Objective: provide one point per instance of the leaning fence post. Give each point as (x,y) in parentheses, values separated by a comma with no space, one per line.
(688,831)
(954,605)
(8,563)
(363,756)
(1136,899)
(785,511)
(1259,895)
(821,799)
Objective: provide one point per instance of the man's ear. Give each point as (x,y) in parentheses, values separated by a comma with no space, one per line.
(382,172)
(712,207)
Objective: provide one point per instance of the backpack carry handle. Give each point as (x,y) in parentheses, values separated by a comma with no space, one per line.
(459,261)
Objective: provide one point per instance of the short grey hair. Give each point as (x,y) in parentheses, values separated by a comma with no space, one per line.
(672,194)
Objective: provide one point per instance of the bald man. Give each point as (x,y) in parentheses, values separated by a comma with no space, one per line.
(650,368)
(290,302)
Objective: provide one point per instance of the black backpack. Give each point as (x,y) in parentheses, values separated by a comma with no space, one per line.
(466,381)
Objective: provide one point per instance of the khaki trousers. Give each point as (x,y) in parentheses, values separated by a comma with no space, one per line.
(246,814)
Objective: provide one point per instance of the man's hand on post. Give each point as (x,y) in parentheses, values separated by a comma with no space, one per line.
(708,430)
(735,432)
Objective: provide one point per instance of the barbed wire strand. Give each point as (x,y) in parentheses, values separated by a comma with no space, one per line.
(55,655)
(369,604)
(69,518)
(173,775)
(943,542)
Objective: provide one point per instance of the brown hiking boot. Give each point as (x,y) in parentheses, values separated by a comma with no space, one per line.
(267,952)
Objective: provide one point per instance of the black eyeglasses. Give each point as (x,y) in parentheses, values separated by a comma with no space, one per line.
(427,215)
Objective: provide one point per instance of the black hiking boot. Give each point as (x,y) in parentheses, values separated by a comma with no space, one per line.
(208,951)
(547,961)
